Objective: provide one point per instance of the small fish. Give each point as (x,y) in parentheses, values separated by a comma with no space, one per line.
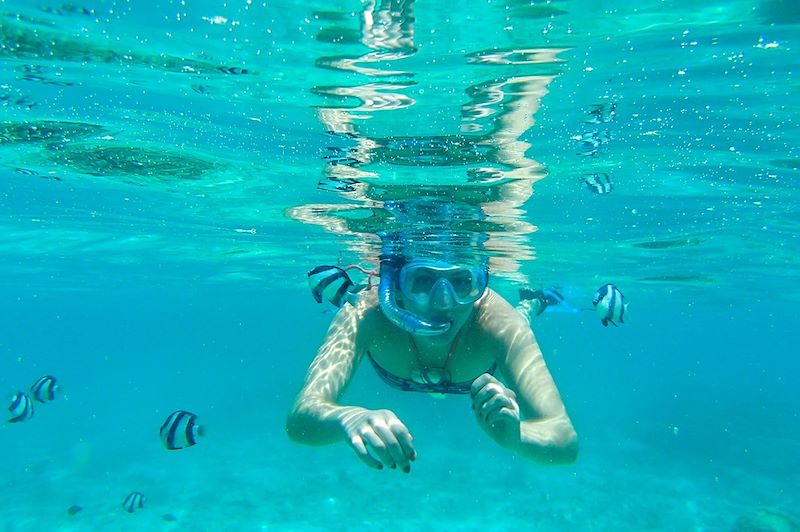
(332,284)
(610,305)
(233,70)
(549,298)
(133,502)
(592,142)
(180,430)
(44,389)
(74,509)
(598,115)
(21,407)
(598,183)
(58,83)
(337,185)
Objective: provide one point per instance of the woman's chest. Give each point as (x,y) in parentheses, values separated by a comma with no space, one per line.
(463,358)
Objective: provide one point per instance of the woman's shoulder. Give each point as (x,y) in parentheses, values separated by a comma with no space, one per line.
(493,303)
(495,313)
(371,320)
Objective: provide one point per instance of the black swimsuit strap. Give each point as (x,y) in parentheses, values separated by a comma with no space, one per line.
(408,385)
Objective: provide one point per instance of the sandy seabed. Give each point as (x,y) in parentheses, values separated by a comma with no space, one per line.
(271,484)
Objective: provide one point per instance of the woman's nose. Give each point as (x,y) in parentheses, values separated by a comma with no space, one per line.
(442,295)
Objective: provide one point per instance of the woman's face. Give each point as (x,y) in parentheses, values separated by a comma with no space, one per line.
(440,291)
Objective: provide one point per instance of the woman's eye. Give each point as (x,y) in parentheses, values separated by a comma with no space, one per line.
(424,282)
(461,283)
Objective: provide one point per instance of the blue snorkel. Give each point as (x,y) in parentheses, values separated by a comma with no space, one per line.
(390,266)
(420,225)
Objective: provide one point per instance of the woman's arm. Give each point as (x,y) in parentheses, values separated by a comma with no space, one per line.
(527,415)
(317,418)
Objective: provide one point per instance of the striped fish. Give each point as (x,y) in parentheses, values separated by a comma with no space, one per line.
(133,502)
(547,297)
(610,305)
(21,407)
(44,389)
(332,284)
(180,430)
(598,115)
(598,183)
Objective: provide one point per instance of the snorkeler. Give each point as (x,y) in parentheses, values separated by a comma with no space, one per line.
(433,326)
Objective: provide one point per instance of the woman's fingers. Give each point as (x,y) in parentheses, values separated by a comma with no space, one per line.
(500,414)
(405,439)
(358,445)
(491,401)
(484,387)
(380,439)
(393,447)
(494,404)
(479,383)
(376,444)
(487,392)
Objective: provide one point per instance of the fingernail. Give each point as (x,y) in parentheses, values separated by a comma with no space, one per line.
(407,469)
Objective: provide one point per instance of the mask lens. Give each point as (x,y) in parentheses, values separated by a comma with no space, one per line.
(463,283)
(418,280)
(421,280)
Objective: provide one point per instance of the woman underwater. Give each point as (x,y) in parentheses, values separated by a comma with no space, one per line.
(436,327)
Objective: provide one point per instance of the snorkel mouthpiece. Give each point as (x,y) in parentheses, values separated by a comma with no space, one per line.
(402,318)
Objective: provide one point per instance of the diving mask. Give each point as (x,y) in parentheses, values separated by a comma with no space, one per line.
(420,280)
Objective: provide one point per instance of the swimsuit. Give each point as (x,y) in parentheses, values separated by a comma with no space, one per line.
(409,385)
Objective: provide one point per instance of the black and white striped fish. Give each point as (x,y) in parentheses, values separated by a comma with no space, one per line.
(180,430)
(21,407)
(547,297)
(332,284)
(597,113)
(598,183)
(133,502)
(592,142)
(610,305)
(44,389)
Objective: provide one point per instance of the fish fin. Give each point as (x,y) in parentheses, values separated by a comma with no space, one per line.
(317,296)
(604,322)
(552,296)
(352,294)
(526,293)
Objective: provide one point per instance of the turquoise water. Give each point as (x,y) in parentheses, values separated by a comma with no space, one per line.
(170,171)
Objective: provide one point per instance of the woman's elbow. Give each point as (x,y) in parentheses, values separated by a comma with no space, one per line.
(297,424)
(293,429)
(563,449)
(568,449)
(304,425)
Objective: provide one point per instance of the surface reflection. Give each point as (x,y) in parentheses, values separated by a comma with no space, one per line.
(429,183)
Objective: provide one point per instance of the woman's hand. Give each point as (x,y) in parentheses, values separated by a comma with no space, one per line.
(496,410)
(379,438)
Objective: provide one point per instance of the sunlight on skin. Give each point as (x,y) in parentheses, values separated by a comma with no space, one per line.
(541,430)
